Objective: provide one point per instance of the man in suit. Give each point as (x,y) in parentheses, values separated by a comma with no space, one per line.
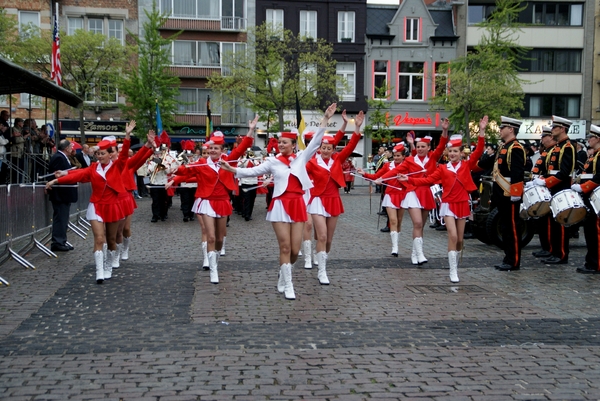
(61,199)
(84,156)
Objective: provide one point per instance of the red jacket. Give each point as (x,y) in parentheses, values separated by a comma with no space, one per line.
(449,179)
(206,177)
(103,190)
(133,164)
(394,183)
(320,175)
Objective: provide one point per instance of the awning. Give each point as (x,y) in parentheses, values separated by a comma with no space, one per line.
(16,79)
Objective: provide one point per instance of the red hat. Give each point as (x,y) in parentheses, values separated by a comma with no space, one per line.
(399,148)
(188,145)
(426,139)
(105,144)
(308,135)
(111,138)
(455,141)
(288,134)
(217,138)
(328,139)
(164,139)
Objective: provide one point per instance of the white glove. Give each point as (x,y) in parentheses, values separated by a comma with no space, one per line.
(515,198)
(539,182)
(577,188)
(529,184)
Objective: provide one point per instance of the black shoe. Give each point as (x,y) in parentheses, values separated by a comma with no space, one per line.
(185,219)
(585,270)
(248,218)
(441,228)
(154,219)
(435,225)
(385,230)
(163,218)
(59,248)
(205,267)
(541,254)
(467,235)
(504,267)
(553,260)
(70,247)
(382,213)
(394,254)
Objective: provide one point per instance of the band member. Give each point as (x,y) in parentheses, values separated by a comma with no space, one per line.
(539,170)
(589,181)
(104,210)
(212,196)
(287,211)
(161,168)
(187,190)
(419,201)
(457,183)
(248,186)
(507,191)
(556,179)
(394,195)
(325,205)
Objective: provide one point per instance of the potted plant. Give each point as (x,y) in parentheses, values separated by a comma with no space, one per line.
(346,40)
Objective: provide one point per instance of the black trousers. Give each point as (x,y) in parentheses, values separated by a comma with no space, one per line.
(543,229)
(187,201)
(248,198)
(559,239)
(159,202)
(591,231)
(60,222)
(511,225)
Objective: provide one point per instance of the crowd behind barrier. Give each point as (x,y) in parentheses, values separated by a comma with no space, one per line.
(26,220)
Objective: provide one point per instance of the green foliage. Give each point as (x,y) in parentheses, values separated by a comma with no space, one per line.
(8,34)
(151,79)
(378,127)
(273,67)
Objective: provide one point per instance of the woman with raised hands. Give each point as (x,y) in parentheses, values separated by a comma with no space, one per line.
(287,211)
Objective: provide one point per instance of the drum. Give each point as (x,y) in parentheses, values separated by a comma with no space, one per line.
(595,200)
(523,212)
(568,207)
(536,200)
(436,191)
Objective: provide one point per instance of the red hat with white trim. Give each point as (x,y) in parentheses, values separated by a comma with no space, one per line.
(328,139)
(425,139)
(217,138)
(455,141)
(290,135)
(399,148)
(105,144)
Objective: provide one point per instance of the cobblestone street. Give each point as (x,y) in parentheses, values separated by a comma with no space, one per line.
(383,329)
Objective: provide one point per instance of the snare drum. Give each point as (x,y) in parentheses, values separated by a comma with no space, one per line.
(595,200)
(436,191)
(568,207)
(523,213)
(536,200)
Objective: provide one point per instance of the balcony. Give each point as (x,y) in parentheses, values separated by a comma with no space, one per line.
(197,119)
(205,24)
(193,71)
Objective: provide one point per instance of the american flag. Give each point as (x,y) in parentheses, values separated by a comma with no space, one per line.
(56,73)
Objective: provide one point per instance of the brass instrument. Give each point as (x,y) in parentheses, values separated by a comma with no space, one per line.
(162,161)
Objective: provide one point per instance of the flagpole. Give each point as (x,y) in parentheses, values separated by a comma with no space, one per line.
(57,137)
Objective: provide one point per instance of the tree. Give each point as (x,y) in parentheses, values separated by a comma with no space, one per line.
(379,125)
(486,80)
(90,62)
(274,65)
(8,34)
(150,81)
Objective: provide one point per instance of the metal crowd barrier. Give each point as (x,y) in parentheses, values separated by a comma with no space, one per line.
(26,221)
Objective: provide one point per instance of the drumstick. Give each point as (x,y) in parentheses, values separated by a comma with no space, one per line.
(395,177)
(367,179)
(48,175)
(53,186)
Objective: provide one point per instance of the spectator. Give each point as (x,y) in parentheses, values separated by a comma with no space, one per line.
(85,157)
(348,168)
(3,143)
(72,155)
(17,150)
(581,157)
(30,133)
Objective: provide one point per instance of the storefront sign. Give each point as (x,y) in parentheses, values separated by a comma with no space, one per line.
(408,119)
(532,129)
(93,126)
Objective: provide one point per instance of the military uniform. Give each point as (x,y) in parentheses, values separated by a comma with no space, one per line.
(507,193)
(543,223)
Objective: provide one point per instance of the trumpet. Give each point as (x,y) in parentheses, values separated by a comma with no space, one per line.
(162,163)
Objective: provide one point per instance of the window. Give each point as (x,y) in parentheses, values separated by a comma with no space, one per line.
(410,81)
(441,78)
(36,101)
(233,14)
(548,105)
(308,24)
(29,22)
(346,26)
(203,54)
(412,32)
(558,14)
(193,101)
(230,12)
(308,77)
(479,13)
(275,18)
(96,25)
(74,24)
(380,78)
(232,111)
(232,48)
(102,92)
(115,29)
(346,89)
(3,100)
(552,60)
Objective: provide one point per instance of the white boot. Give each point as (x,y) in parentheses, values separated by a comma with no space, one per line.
(105,252)
(322,275)
(413,256)
(394,237)
(315,260)
(108,264)
(286,269)
(453,262)
(281,281)
(125,250)
(419,248)
(307,250)
(99,259)
(205,264)
(117,258)
(223,247)
(212,263)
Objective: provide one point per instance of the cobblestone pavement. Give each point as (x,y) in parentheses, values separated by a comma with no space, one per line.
(383,329)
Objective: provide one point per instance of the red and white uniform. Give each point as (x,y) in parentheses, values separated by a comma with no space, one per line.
(133,164)
(419,197)
(290,180)
(328,178)
(214,183)
(457,184)
(393,195)
(107,185)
